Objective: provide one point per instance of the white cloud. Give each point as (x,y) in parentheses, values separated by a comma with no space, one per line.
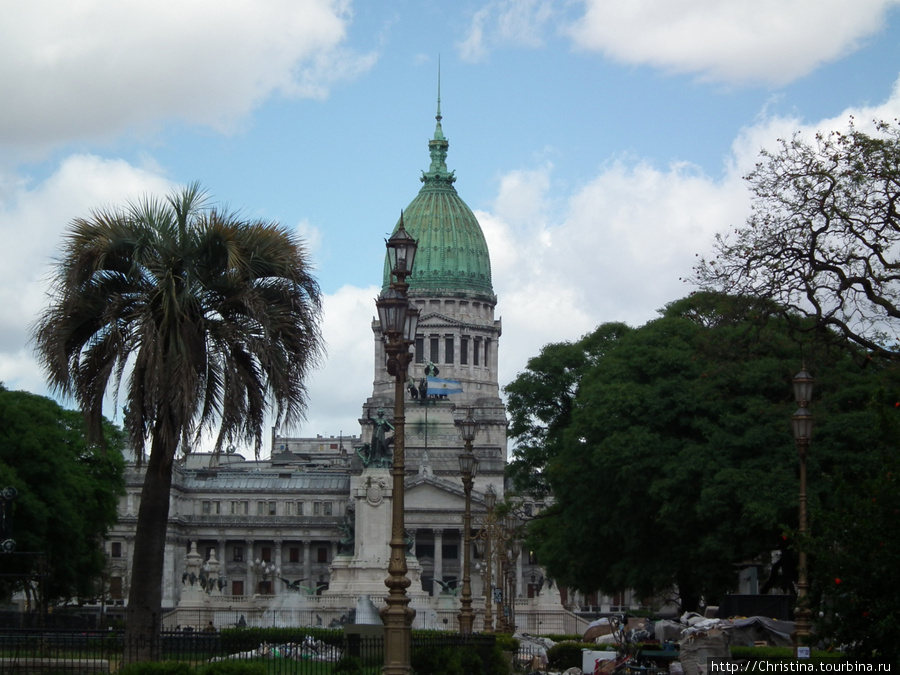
(338,390)
(616,252)
(93,68)
(772,41)
(505,22)
(32,220)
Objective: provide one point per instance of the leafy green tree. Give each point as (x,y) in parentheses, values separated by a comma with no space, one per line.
(541,400)
(198,318)
(824,237)
(67,493)
(855,552)
(677,461)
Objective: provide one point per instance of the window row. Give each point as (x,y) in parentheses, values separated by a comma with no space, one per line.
(477,349)
(294,554)
(266,507)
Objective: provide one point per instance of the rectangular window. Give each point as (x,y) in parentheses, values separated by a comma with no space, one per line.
(317,508)
(464,351)
(207,508)
(294,554)
(420,350)
(435,344)
(265,554)
(265,587)
(290,508)
(115,588)
(237,554)
(272,508)
(260,508)
(240,508)
(450,551)
(487,353)
(326,508)
(424,550)
(115,549)
(237,587)
(529,509)
(322,554)
(475,352)
(299,508)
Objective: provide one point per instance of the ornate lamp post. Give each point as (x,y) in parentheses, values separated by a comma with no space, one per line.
(468,467)
(398,327)
(263,569)
(802,423)
(511,529)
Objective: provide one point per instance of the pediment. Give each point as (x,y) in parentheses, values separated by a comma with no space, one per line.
(433,319)
(431,493)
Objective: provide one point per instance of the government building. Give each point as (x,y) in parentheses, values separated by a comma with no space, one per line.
(278,541)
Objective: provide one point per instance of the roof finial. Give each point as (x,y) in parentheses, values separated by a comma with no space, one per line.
(438,131)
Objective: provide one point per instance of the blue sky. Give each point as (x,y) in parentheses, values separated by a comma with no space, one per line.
(600,144)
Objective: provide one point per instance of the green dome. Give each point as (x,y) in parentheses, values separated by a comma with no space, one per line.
(452,258)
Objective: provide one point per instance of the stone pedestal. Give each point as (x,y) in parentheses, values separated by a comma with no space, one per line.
(363,572)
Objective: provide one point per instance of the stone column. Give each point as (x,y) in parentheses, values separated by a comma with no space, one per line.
(519,574)
(251,578)
(276,582)
(438,560)
(307,563)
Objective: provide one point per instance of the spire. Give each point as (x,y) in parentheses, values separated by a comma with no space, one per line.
(437,147)
(438,132)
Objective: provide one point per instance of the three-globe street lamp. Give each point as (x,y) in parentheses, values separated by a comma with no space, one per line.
(398,328)
(802,423)
(264,568)
(468,467)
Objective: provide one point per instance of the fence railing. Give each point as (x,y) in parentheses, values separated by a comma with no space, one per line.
(284,652)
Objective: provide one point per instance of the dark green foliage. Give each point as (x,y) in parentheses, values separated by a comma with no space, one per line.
(68,490)
(158,668)
(565,655)
(436,661)
(235,668)
(675,458)
(856,554)
(507,642)
(348,665)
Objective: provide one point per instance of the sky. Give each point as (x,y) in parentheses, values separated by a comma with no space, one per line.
(600,144)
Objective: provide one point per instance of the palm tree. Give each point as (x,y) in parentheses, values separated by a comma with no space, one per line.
(198,319)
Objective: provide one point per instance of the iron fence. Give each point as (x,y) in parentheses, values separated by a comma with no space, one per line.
(282,651)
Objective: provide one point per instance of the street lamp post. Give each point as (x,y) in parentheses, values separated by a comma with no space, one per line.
(802,423)
(398,327)
(468,467)
(511,529)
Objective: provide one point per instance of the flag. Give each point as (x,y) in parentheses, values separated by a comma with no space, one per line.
(439,387)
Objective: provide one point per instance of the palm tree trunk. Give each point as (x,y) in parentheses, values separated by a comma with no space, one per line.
(143,617)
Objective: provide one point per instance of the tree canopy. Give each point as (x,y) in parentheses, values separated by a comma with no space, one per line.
(668,447)
(67,493)
(199,318)
(823,239)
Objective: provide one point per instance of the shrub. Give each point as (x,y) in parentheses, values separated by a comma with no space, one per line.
(567,655)
(233,668)
(348,665)
(157,668)
(443,661)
